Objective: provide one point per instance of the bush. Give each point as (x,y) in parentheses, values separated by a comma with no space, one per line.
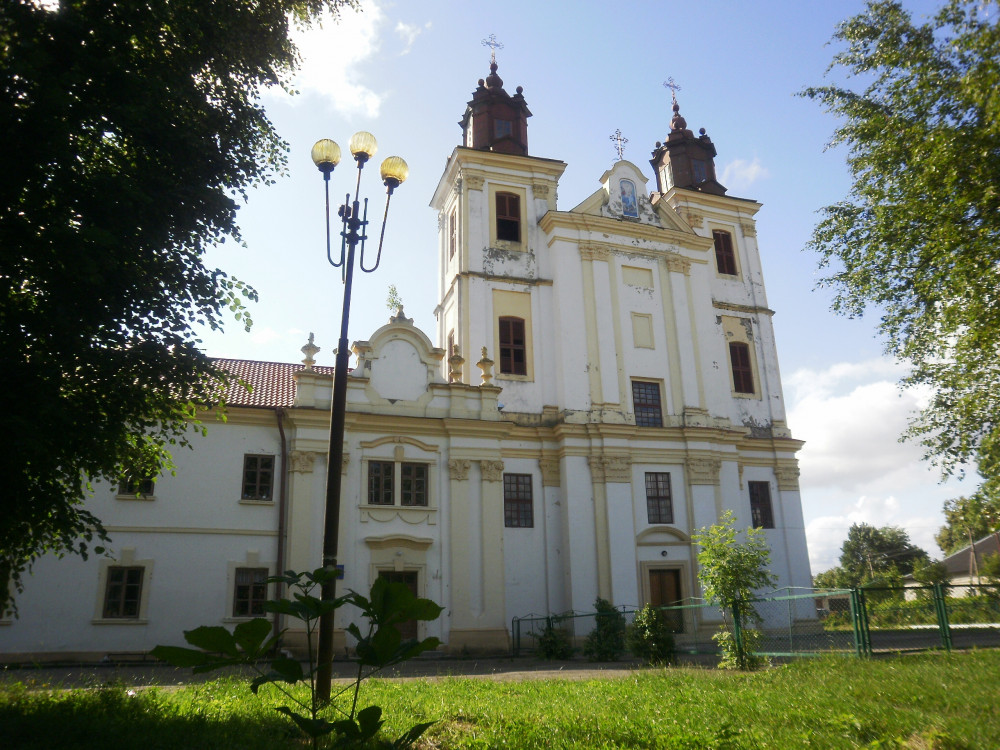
(650,637)
(606,641)
(554,642)
(734,657)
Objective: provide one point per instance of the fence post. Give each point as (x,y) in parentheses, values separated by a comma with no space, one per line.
(859,611)
(941,607)
(515,629)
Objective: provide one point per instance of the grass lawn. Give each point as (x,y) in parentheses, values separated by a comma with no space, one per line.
(929,701)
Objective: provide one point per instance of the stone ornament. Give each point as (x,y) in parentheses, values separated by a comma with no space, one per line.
(492,470)
(301,461)
(703,470)
(473,182)
(458,469)
(455,362)
(486,365)
(310,350)
(595,252)
(551,476)
(611,468)
(749,230)
(677,263)
(788,478)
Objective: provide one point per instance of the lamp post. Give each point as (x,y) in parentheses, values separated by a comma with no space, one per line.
(354,220)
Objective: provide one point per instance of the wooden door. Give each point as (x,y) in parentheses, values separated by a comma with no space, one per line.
(406,629)
(665,591)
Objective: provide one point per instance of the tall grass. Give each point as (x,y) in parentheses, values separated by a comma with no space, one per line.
(926,702)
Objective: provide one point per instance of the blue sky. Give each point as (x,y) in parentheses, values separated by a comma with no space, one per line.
(404,71)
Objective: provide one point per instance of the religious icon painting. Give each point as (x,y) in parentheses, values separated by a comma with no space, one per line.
(629,205)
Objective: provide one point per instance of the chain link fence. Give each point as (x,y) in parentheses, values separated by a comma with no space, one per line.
(807,622)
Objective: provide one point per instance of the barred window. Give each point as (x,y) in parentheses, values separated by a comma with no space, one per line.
(380,483)
(258,477)
(518,510)
(659,507)
(250,592)
(646,403)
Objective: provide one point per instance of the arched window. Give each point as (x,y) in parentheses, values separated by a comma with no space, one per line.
(513,359)
(508,216)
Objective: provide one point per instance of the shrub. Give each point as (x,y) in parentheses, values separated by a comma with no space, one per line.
(554,641)
(650,637)
(606,641)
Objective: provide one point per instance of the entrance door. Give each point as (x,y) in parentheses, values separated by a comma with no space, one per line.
(407,629)
(665,591)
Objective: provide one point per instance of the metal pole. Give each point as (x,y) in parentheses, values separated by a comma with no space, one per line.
(331,529)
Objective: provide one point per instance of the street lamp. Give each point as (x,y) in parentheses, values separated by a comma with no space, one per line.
(326,156)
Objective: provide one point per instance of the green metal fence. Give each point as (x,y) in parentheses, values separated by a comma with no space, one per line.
(861,621)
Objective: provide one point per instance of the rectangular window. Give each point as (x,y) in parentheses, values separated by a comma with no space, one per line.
(659,508)
(380,483)
(414,484)
(452,233)
(132,486)
(518,510)
(123,592)
(698,170)
(646,403)
(258,477)
(725,257)
(760,505)
(250,592)
(502,128)
(513,359)
(508,217)
(739,356)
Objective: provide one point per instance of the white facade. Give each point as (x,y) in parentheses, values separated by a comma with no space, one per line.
(536,483)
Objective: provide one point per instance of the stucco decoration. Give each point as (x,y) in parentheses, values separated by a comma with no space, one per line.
(458,469)
(301,461)
(677,263)
(694,219)
(788,478)
(703,470)
(540,189)
(749,230)
(473,182)
(400,361)
(626,195)
(610,468)
(551,476)
(492,470)
(595,252)
(344,461)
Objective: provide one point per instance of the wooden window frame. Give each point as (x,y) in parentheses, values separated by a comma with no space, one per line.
(381,489)
(659,498)
(123,593)
(741,364)
(250,593)
(725,253)
(510,364)
(258,477)
(761,506)
(648,412)
(413,490)
(518,501)
(507,207)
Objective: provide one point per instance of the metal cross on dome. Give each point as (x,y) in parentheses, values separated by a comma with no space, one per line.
(620,142)
(674,87)
(494,45)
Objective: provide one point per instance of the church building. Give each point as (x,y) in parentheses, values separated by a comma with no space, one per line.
(602,383)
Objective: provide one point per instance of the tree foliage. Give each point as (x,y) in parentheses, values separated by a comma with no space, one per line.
(918,237)
(134,129)
(975,516)
(872,554)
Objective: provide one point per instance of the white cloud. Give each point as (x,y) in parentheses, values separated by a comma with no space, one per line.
(740,174)
(333,55)
(853,467)
(409,33)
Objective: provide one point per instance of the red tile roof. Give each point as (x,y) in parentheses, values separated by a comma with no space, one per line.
(271,383)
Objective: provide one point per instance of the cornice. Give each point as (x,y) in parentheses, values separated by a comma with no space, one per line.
(524,280)
(751,309)
(681,196)
(602,225)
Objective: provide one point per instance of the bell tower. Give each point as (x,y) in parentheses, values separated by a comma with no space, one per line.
(685,161)
(494,120)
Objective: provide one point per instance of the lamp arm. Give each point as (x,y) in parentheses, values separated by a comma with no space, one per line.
(381,238)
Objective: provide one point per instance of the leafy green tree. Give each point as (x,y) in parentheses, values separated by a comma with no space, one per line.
(834,578)
(974,516)
(882,554)
(134,130)
(730,572)
(918,237)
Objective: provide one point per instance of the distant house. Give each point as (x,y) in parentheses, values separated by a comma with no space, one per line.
(963,568)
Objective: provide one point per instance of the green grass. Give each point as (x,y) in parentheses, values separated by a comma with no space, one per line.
(928,701)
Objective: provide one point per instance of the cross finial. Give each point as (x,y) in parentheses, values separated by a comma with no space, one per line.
(494,45)
(674,87)
(620,142)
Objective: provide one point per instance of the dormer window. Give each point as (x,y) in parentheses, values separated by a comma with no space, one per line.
(698,170)
(508,217)
(502,128)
